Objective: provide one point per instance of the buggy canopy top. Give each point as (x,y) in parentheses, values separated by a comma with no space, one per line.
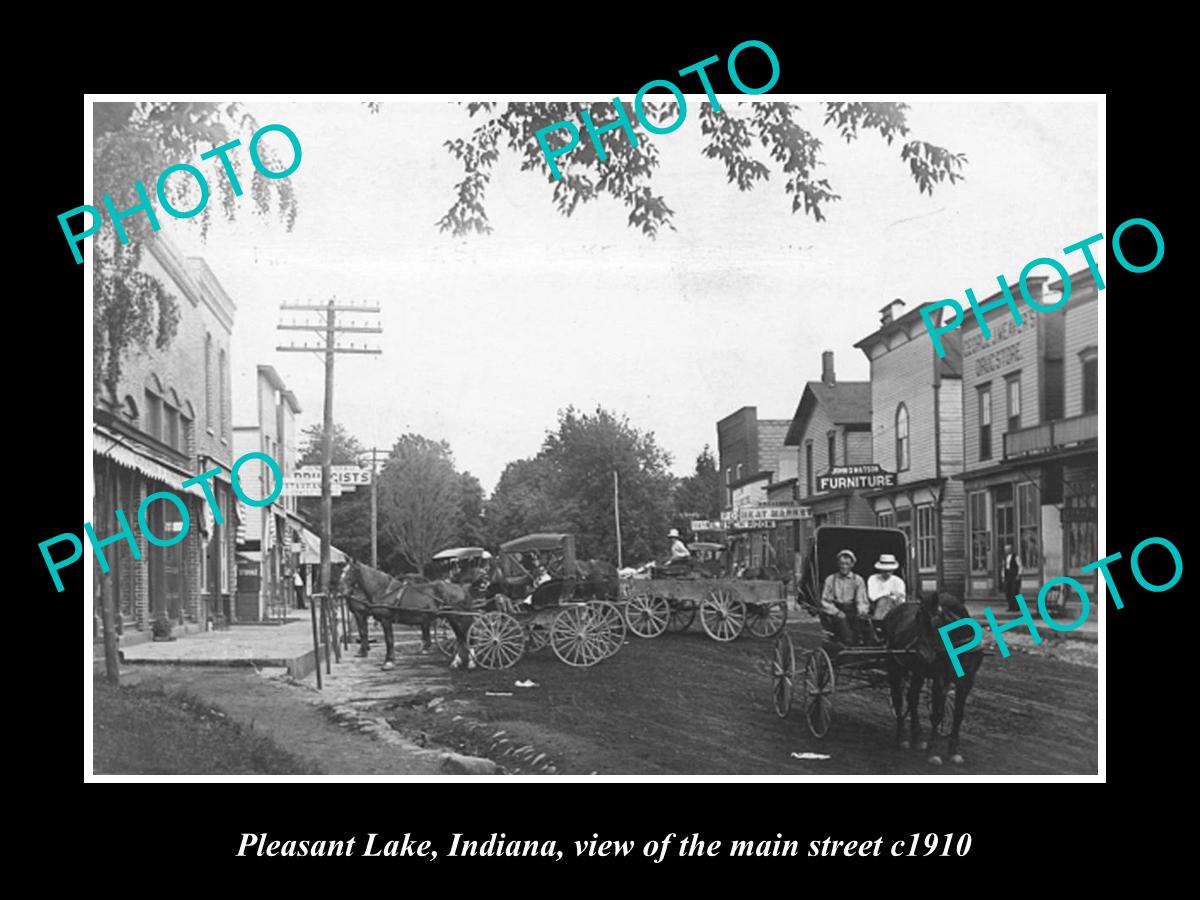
(463,553)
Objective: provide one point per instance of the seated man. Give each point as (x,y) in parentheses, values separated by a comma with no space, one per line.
(679,559)
(844,599)
(885,589)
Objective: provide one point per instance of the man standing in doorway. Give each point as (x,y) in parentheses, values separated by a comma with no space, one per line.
(298,583)
(1010,576)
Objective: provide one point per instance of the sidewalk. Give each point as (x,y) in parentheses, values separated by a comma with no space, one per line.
(1088,631)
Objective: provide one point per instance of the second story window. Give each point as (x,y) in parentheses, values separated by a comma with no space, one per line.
(153,426)
(832,449)
(985,422)
(808,468)
(221,388)
(208,382)
(1013,386)
(1091,383)
(901,438)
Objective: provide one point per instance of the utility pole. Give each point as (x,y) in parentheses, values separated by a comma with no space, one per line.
(328,330)
(374,516)
(617,514)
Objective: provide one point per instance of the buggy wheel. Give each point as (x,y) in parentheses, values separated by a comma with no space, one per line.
(683,613)
(819,687)
(783,674)
(723,614)
(765,620)
(947,723)
(444,638)
(647,615)
(496,639)
(573,637)
(608,625)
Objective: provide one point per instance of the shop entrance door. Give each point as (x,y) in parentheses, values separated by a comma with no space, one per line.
(1006,532)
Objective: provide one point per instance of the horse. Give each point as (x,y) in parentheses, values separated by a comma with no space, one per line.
(913,627)
(596,580)
(409,601)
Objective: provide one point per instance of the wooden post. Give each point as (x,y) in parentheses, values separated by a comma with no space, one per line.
(112,669)
(617,514)
(312,608)
(374,517)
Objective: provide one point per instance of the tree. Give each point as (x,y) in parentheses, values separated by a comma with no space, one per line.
(136,142)
(471,523)
(701,494)
(568,487)
(626,172)
(421,500)
(351,523)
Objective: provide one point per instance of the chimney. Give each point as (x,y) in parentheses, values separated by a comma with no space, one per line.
(827,368)
(888,313)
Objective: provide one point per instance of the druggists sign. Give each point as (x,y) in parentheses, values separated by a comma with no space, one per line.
(841,478)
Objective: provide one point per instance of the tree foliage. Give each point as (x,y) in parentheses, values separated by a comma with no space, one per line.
(568,487)
(421,501)
(626,174)
(135,142)
(351,519)
(700,494)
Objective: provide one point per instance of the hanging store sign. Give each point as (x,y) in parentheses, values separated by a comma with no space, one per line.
(301,487)
(349,477)
(841,478)
(768,513)
(705,525)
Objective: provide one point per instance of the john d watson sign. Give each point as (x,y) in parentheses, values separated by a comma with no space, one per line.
(841,478)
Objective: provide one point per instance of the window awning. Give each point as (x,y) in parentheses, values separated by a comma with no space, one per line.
(137,456)
(310,552)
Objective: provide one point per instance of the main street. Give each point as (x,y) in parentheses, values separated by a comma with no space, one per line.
(685,704)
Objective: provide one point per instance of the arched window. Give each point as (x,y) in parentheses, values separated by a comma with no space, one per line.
(131,409)
(153,425)
(208,386)
(902,460)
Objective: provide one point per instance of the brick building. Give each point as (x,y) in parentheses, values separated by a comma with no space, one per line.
(1030,395)
(165,421)
(917,433)
(757,467)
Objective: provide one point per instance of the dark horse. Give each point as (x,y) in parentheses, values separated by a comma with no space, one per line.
(409,601)
(914,627)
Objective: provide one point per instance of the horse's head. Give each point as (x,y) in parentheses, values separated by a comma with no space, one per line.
(349,578)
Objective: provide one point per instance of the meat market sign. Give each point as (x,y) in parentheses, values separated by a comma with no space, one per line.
(841,478)
(764,515)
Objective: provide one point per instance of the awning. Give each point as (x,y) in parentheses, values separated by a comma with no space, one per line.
(310,552)
(137,456)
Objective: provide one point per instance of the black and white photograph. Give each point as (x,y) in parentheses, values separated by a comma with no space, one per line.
(706,435)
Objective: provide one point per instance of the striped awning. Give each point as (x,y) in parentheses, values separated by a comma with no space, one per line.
(137,456)
(311,552)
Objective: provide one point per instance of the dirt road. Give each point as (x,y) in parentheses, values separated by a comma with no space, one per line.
(684,704)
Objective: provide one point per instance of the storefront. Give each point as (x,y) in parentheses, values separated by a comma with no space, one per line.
(920,510)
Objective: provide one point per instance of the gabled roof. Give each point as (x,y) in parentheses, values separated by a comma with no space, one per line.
(846,403)
(950,365)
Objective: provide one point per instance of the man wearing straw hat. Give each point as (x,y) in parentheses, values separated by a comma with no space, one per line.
(885,589)
(844,598)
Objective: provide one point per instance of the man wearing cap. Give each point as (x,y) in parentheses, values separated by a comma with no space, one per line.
(844,597)
(885,589)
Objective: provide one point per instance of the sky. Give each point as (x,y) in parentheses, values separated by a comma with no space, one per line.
(487,337)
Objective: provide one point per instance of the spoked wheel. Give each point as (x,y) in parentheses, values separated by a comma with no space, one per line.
(574,638)
(765,620)
(723,614)
(609,625)
(497,640)
(683,613)
(783,674)
(819,686)
(947,723)
(443,636)
(648,616)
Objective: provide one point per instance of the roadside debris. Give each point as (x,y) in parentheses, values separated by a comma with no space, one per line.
(808,755)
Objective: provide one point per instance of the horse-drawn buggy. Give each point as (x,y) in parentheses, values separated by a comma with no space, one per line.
(671,597)
(870,651)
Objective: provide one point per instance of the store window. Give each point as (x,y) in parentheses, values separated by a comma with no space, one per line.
(985,421)
(1079,516)
(1029,515)
(886,519)
(1005,518)
(981,537)
(901,438)
(1013,386)
(926,537)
